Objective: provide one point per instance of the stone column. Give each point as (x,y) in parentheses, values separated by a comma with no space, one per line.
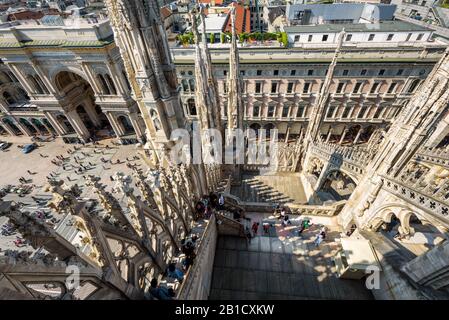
(133,117)
(329,134)
(117,83)
(343,136)
(357,137)
(58,128)
(287,134)
(23,128)
(113,121)
(90,110)
(78,125)
(92,78)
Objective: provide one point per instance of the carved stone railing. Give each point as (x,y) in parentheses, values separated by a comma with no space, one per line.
(198,279)
(296,208)
(437,156)
(317,210)
(430,198)
(352,159)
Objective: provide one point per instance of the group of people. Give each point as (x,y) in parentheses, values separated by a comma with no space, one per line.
(203,208)
(163,292)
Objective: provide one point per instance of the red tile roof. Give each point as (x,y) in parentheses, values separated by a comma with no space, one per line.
(242,19)
(212,2)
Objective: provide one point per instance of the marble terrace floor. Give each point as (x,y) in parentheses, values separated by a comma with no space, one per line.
(280,265)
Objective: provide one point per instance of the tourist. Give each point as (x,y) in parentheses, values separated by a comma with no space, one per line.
(174,272)
(207,212)
(248,234)
(221,202)
(320,237)
(266,227)
(255,227)
(286,221)
(161,293)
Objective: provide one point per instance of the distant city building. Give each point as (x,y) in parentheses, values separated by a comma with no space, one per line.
(304,14)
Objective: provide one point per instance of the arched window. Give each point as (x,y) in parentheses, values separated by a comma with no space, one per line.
(104,85)
(110,84)
(191,107)
(192,85)
(23,93)
(185,85)
(413,86)
(9,99)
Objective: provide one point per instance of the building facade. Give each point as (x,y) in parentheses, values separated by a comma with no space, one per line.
(71,84)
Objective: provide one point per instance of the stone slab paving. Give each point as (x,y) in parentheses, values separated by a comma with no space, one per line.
(14,164)
(281,265)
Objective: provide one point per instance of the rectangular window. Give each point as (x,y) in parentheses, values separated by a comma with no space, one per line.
(306,87)
(310,72)
(363,72)
(357,87)
(300,112)
(381,72)
(285,111)
(340,87)
(392,87)
(345,72)
(274,87)
(276,72)
(362,112)
(290,87)
(346,112)
(310,38)
(258,87)
(293,72)
(390,37)
(270,111)
(242,72)
(324,38)
(330,112)
(371,37)
(297,38)
(348,37)
(400,72)
(256,111)
(374,87)
(420,36)
(225,72)
(408,37)
(259,72)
